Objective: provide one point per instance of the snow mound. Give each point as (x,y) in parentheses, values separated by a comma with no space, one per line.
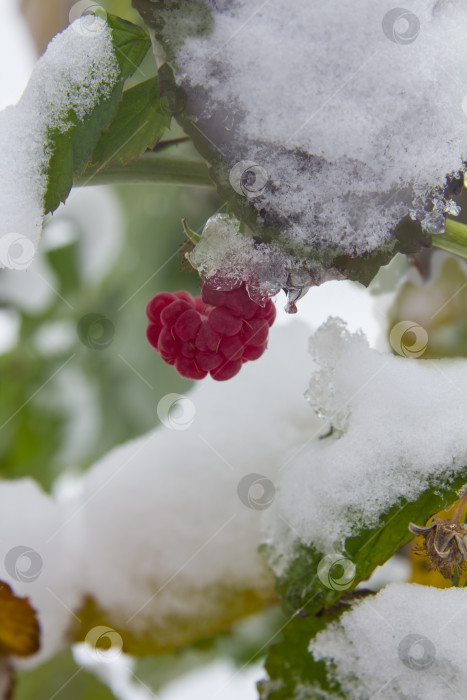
(399,425)
(338,119)
(408,641)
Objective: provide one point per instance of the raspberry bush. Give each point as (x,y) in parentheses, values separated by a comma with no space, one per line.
(170,554)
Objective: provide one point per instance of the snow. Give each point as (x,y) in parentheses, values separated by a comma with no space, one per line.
(337,119)
(220,679)
(163,532)
(226,256)
(399,424)
(76,72)
(408,641)
(157,532)
(224,250)
(166,522)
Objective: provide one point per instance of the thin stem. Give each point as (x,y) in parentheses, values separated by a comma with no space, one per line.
(453,240)
(150,167)
(161,145)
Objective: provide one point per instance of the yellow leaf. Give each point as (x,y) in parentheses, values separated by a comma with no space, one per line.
(19,628)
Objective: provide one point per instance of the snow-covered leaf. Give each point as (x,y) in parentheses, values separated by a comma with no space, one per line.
(313,118)
(72,146)
(405,643)
(49,136)
(313,581)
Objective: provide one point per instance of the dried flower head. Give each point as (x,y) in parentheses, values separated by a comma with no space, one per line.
(445,543)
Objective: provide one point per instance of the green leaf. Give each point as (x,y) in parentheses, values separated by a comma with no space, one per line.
(72,149)
(454,239)
(60,678)
(292,671)
(300,587)
(130,43)
(140,122)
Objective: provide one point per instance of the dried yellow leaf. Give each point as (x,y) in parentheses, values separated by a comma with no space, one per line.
(19,628)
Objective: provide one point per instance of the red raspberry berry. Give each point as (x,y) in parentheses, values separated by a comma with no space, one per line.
(188,368)
(255,331)
(213,297)
(188,349)
(226,370)
(209,360)
(216,333)
(152,333)
(167,343)
(231,348)
(253,352)
(187,325)
(224,322)
(171,312)
(270,312)
(207,338)
(240,304)
(200,305)
(186,296)
(157,304)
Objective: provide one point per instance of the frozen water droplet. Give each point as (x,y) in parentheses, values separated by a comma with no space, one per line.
(293,295)
(452,208)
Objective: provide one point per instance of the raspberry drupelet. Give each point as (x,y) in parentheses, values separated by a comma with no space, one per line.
(212,334)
